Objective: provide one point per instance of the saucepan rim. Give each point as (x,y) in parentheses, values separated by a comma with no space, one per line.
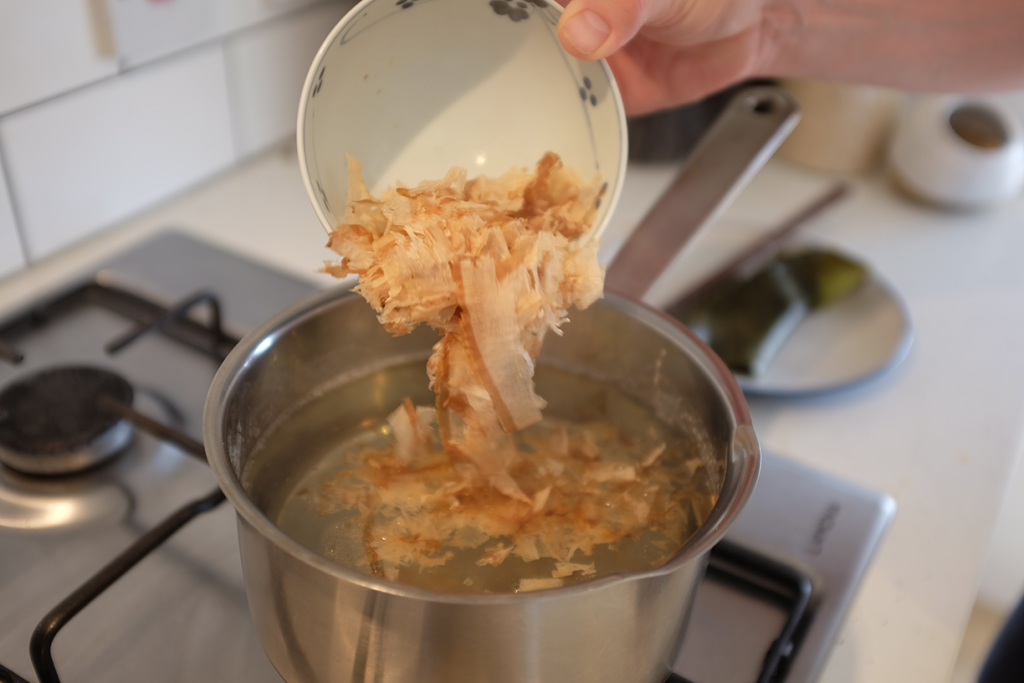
(263,338)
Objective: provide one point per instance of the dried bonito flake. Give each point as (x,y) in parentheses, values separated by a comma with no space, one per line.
(526,585)
(413,430)
(435,512)
(563,569)
(493,264)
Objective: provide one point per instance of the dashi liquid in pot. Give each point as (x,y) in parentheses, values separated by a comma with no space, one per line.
(345,502)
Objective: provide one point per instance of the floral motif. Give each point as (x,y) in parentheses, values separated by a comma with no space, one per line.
(319,81)
(585,93)
(327,204)
(516,10)
(505,9)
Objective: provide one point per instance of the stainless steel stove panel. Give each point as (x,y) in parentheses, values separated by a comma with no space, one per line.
(827,528)
(181,614)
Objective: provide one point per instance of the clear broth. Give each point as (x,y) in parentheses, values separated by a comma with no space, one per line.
(630,430)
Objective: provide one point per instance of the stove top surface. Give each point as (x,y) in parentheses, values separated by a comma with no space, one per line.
(181,614)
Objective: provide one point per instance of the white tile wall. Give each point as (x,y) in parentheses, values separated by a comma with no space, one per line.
(86,160)
(146,30)
(266,69)
(48,47)
(108,106)
(11,255)
(236,14)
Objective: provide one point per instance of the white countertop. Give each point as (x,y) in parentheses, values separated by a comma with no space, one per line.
(941,434)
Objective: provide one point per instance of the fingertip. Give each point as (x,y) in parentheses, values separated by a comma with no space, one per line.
(584,33)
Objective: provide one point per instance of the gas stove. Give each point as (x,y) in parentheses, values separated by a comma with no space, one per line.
(120,563)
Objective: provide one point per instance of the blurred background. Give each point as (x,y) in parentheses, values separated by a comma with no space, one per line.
(110,106)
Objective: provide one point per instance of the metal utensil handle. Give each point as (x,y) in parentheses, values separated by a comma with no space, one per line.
(759,254)
(738,144)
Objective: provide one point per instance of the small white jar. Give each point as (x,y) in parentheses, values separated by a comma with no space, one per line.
(958,151)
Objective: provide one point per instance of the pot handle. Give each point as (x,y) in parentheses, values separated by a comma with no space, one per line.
(743,137)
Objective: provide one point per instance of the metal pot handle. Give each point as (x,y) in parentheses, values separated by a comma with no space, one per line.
(737,145)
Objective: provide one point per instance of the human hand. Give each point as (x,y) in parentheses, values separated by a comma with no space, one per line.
(668,52)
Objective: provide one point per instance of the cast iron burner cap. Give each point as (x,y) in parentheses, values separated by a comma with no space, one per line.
(51,423)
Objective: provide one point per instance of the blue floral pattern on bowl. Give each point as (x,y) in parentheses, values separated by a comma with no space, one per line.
(390,78)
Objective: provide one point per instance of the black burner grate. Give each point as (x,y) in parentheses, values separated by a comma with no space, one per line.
(113,409)
(56,410)
(52,423)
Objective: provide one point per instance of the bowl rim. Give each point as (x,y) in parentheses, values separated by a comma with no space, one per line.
(261,340)
(614,184)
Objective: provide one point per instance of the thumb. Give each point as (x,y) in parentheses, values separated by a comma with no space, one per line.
(592,29)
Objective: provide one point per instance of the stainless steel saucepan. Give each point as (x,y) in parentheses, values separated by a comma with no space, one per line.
(319,621)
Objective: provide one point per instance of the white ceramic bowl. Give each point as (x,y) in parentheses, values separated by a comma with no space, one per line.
(415,87)
(956,151)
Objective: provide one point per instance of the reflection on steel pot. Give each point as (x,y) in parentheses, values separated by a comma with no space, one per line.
(320,621)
